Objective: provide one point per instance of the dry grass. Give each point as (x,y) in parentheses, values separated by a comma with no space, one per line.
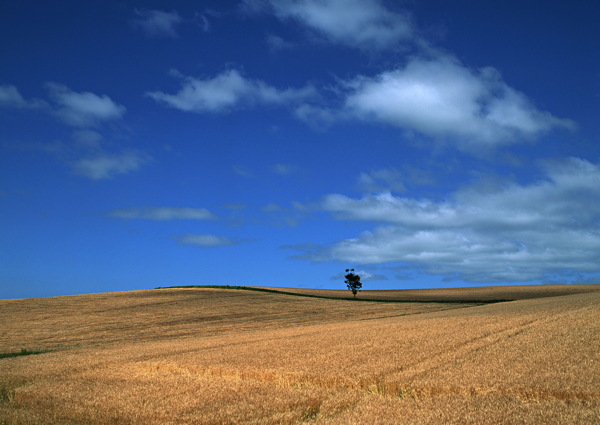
(209,356)
(488,293)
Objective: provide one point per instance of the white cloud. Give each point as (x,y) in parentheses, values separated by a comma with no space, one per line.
(157,23)
(272,208)
(317,117)
(83,109)
(242,171)
(434,94)
(204,241)
(276,43)
(101,166)
(485,233)
(163,213)
(203,22)
(227,91)
(283,169)
(10,97)
(364,276)
(442,98)
(88,139)
(365,24)
(382,180)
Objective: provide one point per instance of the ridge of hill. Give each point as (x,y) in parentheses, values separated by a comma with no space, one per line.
(481,294)
(371,296)
(484,294)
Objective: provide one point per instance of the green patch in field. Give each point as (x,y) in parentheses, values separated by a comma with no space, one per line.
(7,393)
(23,352)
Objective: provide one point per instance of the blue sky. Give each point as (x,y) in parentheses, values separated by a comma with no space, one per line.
(424,143)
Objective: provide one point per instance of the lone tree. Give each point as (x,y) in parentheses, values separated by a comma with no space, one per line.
(352,281)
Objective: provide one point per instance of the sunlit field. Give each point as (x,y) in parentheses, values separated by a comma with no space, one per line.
(230,356)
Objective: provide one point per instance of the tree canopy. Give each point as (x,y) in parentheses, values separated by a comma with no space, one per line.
(353,281)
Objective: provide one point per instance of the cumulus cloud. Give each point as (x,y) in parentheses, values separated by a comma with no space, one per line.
(102,165)
(442,98)
(83,109)
(365,24)
(157,23)
(163,213)
(88,139)
(382,180)
(364,276)
(204,241)
(10,97)
(227,91)
(438,96)
(316,116)
(486,233)
(276,43)
(433,94)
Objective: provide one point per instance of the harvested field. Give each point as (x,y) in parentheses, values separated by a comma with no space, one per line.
(484,293)
(225,356)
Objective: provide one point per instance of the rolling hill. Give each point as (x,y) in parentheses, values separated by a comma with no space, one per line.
(232,356)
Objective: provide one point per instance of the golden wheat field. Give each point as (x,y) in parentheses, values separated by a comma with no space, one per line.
(230,356)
